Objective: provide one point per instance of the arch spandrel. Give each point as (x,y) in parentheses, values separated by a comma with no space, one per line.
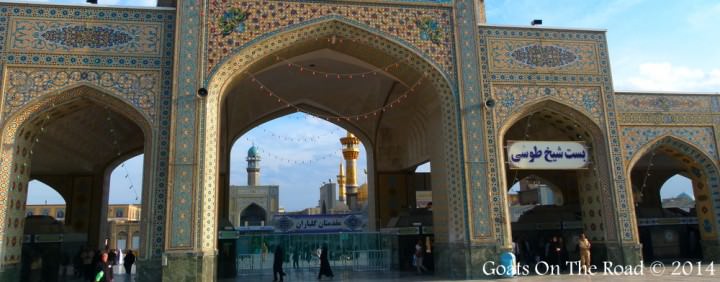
(139,88)
(235,24)
(513,114)
(416,64)
(636,139)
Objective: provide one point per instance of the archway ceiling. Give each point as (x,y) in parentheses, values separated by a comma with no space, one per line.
(248,106)
(77,140)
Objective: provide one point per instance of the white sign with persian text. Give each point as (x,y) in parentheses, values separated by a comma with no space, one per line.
(547,155)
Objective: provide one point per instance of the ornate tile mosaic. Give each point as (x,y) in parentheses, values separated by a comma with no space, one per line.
(63,36)
(428,29)
(636,137)
(663,103)
(511,97)
(565,59)
(23,84)
(514,55)
(56,48)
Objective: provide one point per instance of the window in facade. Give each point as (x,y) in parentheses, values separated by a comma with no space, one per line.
(121,241)
(118,212)
(135,241)
(60,214)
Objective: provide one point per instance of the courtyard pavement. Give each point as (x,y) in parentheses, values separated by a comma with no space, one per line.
(648,274)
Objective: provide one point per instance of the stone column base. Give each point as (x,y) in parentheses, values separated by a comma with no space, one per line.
(710,250)
(632,253)
(461,261)
(617,253)
(189,267)
(148,270)
(10,272)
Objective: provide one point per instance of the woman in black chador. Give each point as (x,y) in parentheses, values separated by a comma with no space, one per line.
(324,263)
(278,263)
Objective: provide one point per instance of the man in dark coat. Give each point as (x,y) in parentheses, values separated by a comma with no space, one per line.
(325,263)
(278,263)
(128,262)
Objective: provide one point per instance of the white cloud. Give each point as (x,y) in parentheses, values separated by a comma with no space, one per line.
(668,77)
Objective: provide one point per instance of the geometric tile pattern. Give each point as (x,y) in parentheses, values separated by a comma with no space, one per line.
(511,98)
(636,137)
(478,222)
(24,84)
(265,18)
(628,102)
(181,214)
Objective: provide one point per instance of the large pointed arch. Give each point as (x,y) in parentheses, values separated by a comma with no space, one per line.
(260,54)
(584,127)
(21,128)
(705,175)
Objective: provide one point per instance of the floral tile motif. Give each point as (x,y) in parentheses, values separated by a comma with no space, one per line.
(663,103)
(517,55)
(536,55)
(510,98)
(428,29)
(62,36)
(23,84)
(233,20)
(635,137)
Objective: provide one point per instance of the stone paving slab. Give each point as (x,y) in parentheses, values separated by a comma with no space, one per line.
(648,274)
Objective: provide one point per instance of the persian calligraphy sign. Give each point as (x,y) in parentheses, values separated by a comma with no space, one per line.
(547,155)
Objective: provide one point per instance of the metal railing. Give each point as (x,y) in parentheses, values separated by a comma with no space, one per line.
(371,260)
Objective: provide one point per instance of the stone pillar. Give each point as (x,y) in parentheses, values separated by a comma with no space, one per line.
(191,235)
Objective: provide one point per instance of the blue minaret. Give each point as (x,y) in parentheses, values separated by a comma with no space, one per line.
(253,168)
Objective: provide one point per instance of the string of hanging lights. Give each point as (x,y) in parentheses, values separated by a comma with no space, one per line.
(282,159)
(647,173)
(310,69)
(118,153)
(306,139)
(364,115)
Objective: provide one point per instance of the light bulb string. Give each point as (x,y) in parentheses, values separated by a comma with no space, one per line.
(294,161)
(336,75)
(526,137)
(116,148)
(363,115)
(287,138)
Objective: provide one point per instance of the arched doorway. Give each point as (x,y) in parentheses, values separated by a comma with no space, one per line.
(393,100)
(580,192)
(672,232)
(71,141)
(253,215)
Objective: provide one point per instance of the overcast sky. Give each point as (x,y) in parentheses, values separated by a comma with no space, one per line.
(654,45)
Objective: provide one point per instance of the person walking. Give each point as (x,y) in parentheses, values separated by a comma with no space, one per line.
(584,246)
(295,259)
(419,258)
(278,263)
(103,269)
(128,263)
(325,263)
